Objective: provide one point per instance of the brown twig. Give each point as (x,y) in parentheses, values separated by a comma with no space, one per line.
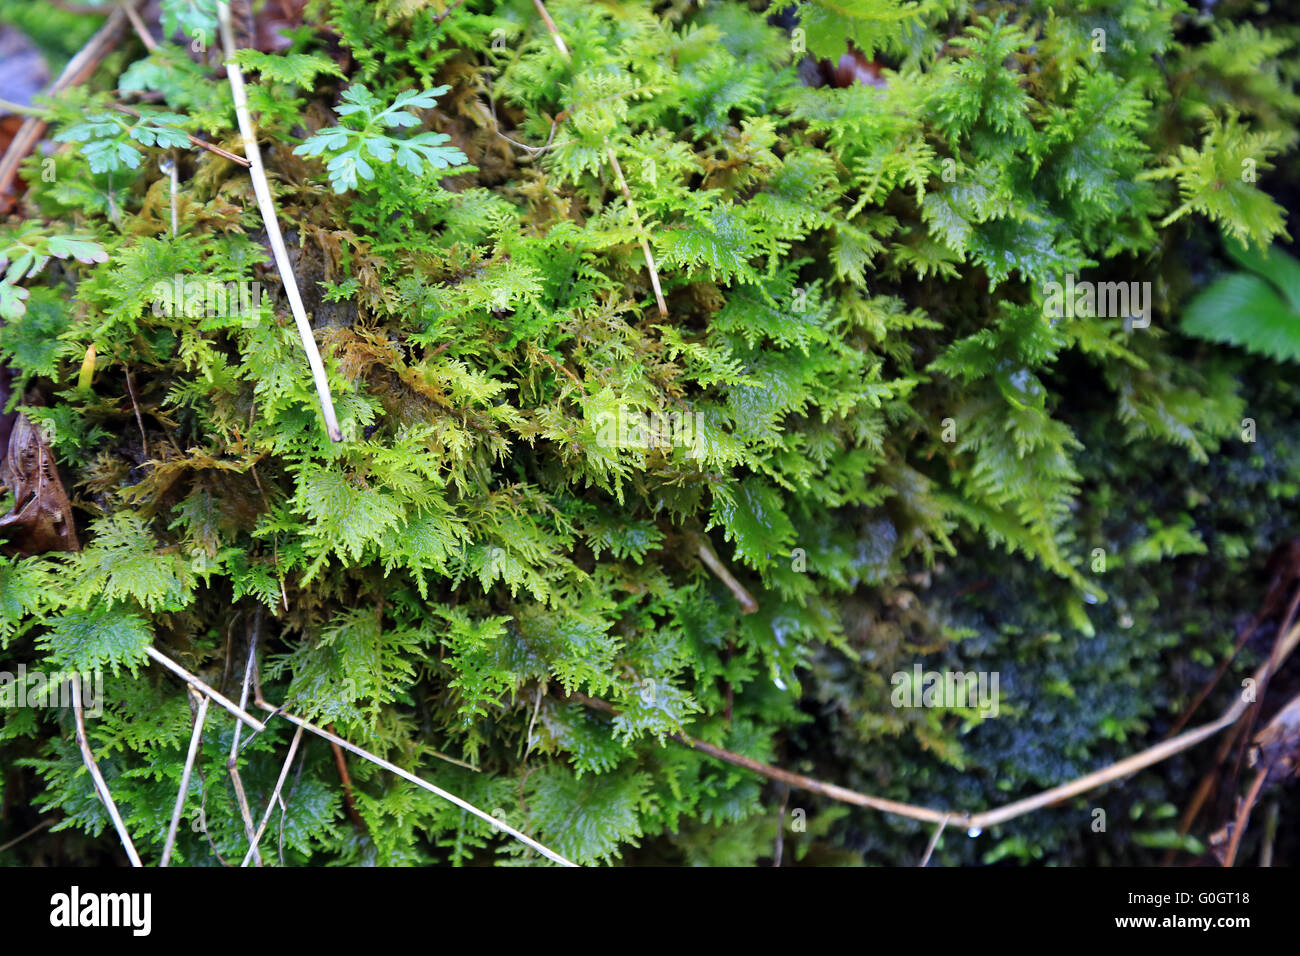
(78,70)
(1243,816)
(1287,620)
(747,603)
(1205,691)
(558,366)
(130,390)
(1282,646)
(341,764)
(223,153)
(48,822)
(194,140)
(140,29)
(1272,749)
(1203,788)
(799,780)
(979,821)
(1240,732)
(446,13)
(1123,768)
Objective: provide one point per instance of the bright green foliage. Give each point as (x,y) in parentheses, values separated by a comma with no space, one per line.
(869,25)
(1258,309)
(296,69)
(111,138)
(26,251)
(190,17)
(346,145)
(857,388)
(1215,180)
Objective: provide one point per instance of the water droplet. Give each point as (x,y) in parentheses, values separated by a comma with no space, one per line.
(974,832)
(1090,597)
(779,683)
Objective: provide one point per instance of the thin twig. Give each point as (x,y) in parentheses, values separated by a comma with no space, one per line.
(232,764)
(934,842)
(47,822)
(266,205)
(275,795)
(140,29)
(199,717)
(193,681)
(78,70)
(1282,646)
(550,26)
(446,13)
(1243,816)
(345,778)
(641,233)
(100,786)
(533,350)
(1115,771)
(491,113)
(135,404)
(1271,750)
(1287,620)
(1239,732)
(244,812)
(799,780)
(217,150)
(423,784)
(194,140)
(528,738)
(168,166)
(747,603)
(1203,789)
(284,809)
(979,821)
